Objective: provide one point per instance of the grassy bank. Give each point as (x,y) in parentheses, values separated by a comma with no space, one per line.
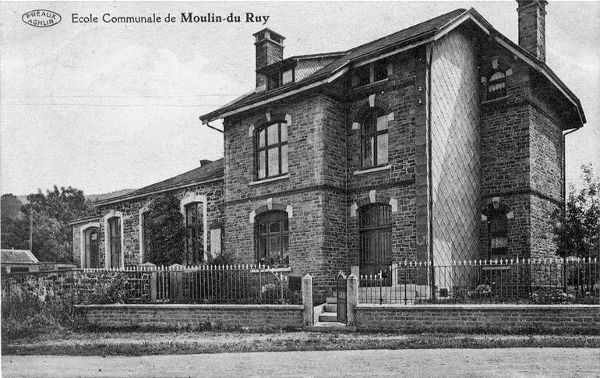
(145,343)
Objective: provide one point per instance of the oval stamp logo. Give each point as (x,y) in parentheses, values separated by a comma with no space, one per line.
(41,18)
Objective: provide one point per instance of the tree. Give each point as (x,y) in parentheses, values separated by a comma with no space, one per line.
(577,231)
(50,214)
(15,227)
(165,231)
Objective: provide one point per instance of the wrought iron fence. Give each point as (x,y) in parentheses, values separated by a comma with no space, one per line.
(227,284)
(527,281)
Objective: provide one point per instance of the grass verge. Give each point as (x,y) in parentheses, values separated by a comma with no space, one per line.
(147,343)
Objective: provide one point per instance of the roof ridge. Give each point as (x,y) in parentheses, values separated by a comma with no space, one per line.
(461,10)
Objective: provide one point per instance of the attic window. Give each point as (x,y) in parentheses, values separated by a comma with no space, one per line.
(380,69)
(274,81)
(362,76)
(371,73)
(287,76)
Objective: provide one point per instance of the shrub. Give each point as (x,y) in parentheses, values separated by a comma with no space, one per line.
(25,314)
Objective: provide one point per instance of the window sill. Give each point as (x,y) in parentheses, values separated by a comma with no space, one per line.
(267,180)
(370,170)
(495,100)
(370,85)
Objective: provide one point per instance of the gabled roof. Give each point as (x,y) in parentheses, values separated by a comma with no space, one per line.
(18,256)
(414,32)
(209,172)
(406,39)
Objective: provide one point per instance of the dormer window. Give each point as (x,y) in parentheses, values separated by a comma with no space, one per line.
(371,73)
(274,81)
(287,77)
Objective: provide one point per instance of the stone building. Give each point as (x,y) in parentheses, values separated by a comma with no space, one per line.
(115,238)
(441,142)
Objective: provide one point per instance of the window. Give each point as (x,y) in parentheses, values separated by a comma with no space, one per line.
(370,73)
(271,151)
(272,238)
(362,76)
(374,141)
(380,70)
(375,234)
(287,76)
(92,258)
(497,85)
(498,231)
(194,239)
(114,242)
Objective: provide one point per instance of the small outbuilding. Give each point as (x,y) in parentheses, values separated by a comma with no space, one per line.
(19,260)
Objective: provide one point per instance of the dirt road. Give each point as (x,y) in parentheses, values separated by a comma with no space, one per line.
(515,362)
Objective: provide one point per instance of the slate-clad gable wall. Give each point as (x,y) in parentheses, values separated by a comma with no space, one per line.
(455,147)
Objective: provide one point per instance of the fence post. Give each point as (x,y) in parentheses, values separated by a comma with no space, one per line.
(153,293)
(307,300)
(352,299)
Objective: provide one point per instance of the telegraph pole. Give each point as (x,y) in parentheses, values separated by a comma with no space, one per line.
(31,230)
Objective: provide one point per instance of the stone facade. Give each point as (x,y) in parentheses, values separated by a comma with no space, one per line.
(130,211)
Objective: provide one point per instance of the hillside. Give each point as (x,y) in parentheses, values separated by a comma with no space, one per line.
(91,197)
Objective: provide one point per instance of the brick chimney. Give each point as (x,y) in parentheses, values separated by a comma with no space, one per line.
(532,27)
(269,49)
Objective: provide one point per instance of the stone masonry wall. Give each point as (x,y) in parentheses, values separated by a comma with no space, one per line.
(233,317)
(544,319)
(131,220)
(396,98)
(505,152)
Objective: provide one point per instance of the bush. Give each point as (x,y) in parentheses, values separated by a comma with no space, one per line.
(25,314)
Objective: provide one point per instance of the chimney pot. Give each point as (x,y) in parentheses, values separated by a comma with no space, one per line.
(532,27)
(203,162)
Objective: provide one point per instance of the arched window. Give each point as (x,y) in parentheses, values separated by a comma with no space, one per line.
(272,238)
(498,227)
(374,140)
(497,214)
(194,240)
(497,85)
(271,151)
(375,230)
(92,257)
(114,242)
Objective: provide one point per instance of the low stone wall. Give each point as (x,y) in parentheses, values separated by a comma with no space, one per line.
(195,316)
(549,319)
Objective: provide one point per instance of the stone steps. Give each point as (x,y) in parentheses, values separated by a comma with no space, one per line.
(329,314)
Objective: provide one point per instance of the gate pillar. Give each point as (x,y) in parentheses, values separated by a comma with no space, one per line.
(352,299)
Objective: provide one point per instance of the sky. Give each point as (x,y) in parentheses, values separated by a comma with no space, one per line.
(108,106)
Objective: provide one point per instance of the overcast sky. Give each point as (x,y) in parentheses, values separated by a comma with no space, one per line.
(105,106)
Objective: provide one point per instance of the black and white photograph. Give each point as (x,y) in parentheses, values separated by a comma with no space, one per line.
(300,189)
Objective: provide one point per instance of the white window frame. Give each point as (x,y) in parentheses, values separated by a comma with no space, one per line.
(82,230)
(105,218)
(197,198)
(144,208)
